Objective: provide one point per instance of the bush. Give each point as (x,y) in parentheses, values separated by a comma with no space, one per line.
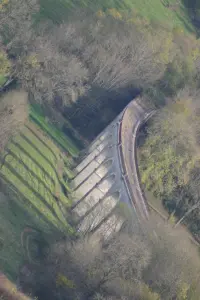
(147,293)
(178,73)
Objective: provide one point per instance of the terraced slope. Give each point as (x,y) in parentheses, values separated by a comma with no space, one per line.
(33,191)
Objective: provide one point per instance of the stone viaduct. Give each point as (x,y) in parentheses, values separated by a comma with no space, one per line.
(106,180)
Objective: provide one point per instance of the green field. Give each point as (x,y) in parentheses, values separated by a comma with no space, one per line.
(35,194)
(152,10)
(155,10)
(62,140)
(2,80)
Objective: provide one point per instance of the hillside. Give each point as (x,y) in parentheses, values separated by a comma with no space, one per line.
(169,13)
(75,65)
(34,174)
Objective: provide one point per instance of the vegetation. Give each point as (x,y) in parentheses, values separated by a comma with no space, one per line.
(170,158)
(5,67)
(2,80)
(62,140)
(99,47)
(33,191)
(13,115)
(76,66)
(143,266)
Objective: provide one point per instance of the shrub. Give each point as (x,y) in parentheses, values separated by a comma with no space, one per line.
(148,294)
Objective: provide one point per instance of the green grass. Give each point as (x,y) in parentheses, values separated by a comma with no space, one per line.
(31,180)
(25,147)
(57,135)
(153,10)
(2,79)
(156,203)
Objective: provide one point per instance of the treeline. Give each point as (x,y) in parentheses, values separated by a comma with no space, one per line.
(92,64)
(169,158)
(146,265)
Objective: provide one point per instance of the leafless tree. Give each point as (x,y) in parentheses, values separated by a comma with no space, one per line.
(157,261)
(116,53)
(50,75)
(97,264)
(86,63)
(16,17)
(174,259)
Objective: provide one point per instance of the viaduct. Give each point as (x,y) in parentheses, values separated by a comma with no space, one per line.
(106,181)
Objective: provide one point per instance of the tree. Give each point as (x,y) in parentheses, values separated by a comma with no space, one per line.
(174,265)
(148,266)
(86,64)
(13,115)
(170,155)
(195,203)
(51,77)
(93,267)
(16,16)
(120,60)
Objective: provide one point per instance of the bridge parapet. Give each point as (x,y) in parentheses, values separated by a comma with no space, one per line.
(108,175)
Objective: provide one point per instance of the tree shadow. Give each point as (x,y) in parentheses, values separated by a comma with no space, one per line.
(19,214)
(31,172)
(44,182)
(36,148)
(91,113)
(31,213)
(37,194)
(40,139)
(34,160)
(58,139)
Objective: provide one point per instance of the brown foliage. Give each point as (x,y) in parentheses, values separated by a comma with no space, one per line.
(8,290)
(155,264)
(174,259)
(86,63)
(48,74)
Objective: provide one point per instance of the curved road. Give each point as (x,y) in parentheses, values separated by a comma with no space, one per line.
(110,167)
(133,117)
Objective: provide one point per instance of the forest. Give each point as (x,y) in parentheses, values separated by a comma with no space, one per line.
(91,62)
(67,69)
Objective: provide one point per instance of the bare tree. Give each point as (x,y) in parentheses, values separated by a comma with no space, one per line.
(174,260)
(50,75)
(116,53)
(16,17)
(129,266)
(97,265)
(86,64)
